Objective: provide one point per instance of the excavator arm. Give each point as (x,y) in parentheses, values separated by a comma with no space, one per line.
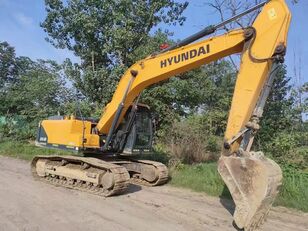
(268,32)
(159,67)
(253,180)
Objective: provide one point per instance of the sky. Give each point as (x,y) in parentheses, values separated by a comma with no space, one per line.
(20,19)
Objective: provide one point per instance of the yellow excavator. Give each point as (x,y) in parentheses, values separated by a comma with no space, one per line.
(125,128)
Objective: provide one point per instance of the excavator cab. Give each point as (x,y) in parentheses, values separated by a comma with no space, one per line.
(140,132)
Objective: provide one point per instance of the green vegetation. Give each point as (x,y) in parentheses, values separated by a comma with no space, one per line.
(200,178)
(294,191)
(205,178)
(26,151)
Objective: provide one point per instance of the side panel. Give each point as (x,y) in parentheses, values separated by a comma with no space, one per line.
(71,133)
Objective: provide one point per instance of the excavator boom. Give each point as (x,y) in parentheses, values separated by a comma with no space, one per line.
(270,31)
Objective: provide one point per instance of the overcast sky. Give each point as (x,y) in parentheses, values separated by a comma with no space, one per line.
(20,19)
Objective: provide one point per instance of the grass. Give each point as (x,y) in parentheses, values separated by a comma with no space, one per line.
(26,151)
(294,191)
(205,178)
(199,178)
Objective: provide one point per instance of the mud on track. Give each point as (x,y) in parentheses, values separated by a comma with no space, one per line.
(29,205)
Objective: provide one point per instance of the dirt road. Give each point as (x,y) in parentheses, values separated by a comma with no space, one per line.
(30,205)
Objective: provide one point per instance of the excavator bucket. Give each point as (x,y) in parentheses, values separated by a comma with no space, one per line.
(253,181)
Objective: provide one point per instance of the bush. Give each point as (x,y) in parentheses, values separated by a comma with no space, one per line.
(281,144)
(190,144)
(294,190)
(16,128)
(287,149)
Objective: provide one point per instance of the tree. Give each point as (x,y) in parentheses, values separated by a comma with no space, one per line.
(8,67)
(104,31)
(206,91)
(278,112)
(95,86)
(108,36)
(11,67)
(39,91)
(230,8)
(30,90)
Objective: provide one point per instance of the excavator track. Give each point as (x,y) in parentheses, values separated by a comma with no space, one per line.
(145,172)
(85,174)
(161,171)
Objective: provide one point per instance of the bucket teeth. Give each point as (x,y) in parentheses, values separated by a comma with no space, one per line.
(253,181)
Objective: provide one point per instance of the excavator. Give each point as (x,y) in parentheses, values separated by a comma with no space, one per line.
(110,146)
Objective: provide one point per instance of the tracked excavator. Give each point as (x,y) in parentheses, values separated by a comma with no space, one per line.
(109,145)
